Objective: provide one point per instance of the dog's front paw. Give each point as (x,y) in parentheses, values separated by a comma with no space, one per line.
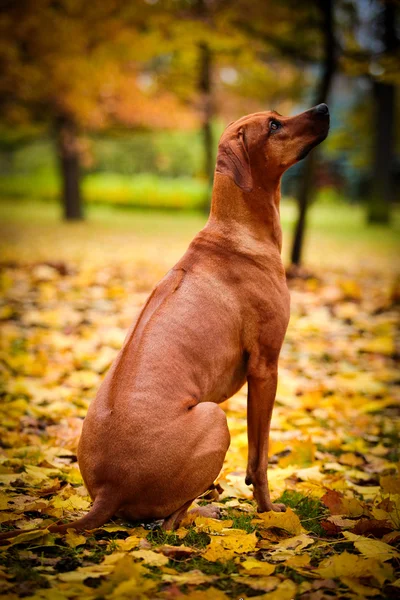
(268,506)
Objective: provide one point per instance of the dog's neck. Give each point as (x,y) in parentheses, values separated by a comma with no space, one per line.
(255,214)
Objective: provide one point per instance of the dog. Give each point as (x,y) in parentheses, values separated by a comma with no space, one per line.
(154,439)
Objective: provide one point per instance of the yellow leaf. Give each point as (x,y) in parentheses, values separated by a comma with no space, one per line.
(372,548)
(40,473)
(350,459)
(302,454)
(208,524)
(264,584)
(390,484)
(380,345)
(29,536)
(225,547)
(5,517)
(285,591)
(126,580)
(210,594)
(135,587)
(73,539)
(310,474)
(83,379)
(175,552)
(360,589)
(349,565)
(71,503)
(128,543)
(194,577)
(181,532)
(151,558)
(115,528)
(359,381)
(5,500)
(252,566)
(300,560)
(288,521)
(392,514)
(350,289)
(297,542)
(74,476)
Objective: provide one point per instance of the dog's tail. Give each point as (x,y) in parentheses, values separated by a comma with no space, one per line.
(101,511)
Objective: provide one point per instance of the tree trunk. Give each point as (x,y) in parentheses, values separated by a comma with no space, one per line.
(207,113)
(382,188)
(321,95)
(69,162)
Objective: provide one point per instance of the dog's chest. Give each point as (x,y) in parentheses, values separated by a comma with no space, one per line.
(268,311)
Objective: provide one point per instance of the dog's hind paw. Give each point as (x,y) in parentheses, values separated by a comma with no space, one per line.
(210,511)
(278,507)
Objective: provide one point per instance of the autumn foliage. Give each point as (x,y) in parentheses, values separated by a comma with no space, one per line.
(334,448)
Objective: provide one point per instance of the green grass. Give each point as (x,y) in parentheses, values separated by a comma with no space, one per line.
(309,510)
(148,191)
(337,235)
(141,190)
(241,521)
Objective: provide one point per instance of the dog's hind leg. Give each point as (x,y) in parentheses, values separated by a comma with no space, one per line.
(207,456)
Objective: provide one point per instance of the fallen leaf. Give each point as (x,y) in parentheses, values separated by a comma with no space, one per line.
(177,552)
(194,577)
(151,558)
(372,548)
(224,547)
(349,565)
(26,537)
(252,566)
(132,541)
(210,594)
(73,539)
(288,521)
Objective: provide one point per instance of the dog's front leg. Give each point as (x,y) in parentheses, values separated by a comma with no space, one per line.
(260,401)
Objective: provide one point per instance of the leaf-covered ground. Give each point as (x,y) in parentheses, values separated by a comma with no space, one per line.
(334,448)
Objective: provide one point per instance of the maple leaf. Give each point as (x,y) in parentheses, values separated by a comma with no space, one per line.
(224,547)
(288,521)
(252,566)
(372,548)
(355,567)
(73,539)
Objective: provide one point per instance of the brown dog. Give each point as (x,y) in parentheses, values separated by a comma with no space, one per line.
(154,439)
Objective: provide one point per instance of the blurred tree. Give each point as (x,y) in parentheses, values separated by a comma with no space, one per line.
(328,69)
(371,50)
(219,63)
(76,66)
(315,51)
(384,90)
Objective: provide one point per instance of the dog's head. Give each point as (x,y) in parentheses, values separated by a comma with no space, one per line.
(263,145)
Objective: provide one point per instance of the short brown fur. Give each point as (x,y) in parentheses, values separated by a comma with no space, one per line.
(155,438)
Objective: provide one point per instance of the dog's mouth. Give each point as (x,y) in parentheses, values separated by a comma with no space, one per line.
(320,138)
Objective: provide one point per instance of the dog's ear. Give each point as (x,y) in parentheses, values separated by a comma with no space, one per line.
(233,160)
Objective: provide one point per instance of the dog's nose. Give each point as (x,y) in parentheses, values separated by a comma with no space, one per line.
(321,109)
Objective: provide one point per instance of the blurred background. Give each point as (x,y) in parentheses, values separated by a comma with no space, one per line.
(111,113)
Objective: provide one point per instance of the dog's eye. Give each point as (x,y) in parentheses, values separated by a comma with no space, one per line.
(274,125)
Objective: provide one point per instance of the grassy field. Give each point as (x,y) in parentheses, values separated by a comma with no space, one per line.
(337,235)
